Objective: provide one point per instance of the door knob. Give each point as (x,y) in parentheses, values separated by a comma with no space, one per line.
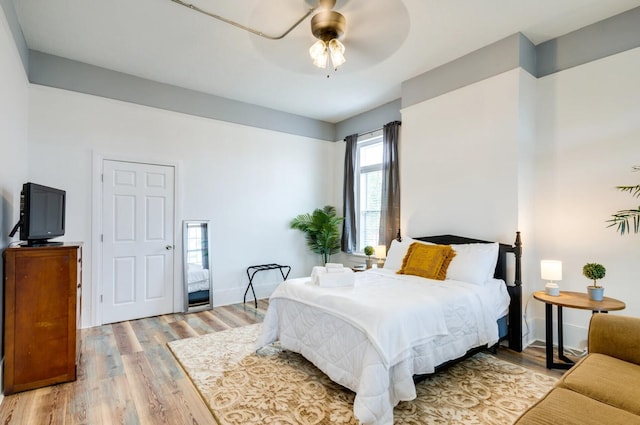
(169,247)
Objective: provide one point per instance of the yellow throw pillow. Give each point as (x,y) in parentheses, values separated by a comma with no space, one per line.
(430,261)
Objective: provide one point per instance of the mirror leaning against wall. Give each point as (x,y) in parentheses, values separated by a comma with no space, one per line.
(197,266)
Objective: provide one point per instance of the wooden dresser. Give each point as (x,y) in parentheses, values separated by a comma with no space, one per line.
(42,299)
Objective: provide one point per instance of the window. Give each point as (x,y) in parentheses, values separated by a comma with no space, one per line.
(368,178)
(194,244)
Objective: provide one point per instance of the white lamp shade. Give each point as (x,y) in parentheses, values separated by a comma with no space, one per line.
(551,270)
(319,54)
(321,51)
(336,50)
(381,251)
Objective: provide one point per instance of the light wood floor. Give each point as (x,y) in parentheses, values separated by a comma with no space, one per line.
(127,375)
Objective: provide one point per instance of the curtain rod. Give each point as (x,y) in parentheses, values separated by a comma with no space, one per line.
(374,130)
(370,132)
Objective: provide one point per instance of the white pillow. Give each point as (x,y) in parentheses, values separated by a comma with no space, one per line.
(474,262)
(397,251)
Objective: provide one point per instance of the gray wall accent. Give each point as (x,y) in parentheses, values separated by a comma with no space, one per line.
(528,59)
(16,31)
(504,55)
(55,71)
(608,37)
(370,120)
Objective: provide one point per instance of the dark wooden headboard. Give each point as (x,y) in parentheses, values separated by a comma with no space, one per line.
(514,288)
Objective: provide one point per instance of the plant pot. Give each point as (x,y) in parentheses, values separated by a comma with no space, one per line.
(596,293)
(369,262)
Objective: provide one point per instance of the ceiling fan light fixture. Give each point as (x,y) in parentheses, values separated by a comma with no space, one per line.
(328,26)
(336,50)
(319,54)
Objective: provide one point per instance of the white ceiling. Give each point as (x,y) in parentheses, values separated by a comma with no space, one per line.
(387,42)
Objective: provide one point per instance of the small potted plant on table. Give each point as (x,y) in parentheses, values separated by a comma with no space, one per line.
(369,251)
(594,271)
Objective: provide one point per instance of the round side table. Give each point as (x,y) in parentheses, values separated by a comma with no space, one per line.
(569,299)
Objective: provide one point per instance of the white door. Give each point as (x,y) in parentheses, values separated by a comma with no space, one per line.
(138,245)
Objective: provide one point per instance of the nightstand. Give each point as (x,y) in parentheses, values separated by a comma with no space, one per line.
(572,300)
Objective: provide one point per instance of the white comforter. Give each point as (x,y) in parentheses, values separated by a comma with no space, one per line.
(374,336)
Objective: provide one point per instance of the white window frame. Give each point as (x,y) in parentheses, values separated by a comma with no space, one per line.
(374,138)
(190,239)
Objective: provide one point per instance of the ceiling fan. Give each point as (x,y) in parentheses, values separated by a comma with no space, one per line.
(380,29)
(328,26)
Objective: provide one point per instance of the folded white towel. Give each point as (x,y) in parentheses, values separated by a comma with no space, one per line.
(332,277)
(334,280)
(336,270)
(317,271)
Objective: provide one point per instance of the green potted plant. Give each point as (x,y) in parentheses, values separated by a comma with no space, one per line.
(622,218)
(594,271)
(369,251)
(322,231)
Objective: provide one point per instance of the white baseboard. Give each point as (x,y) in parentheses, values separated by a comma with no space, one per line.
(235,295)
(574,337)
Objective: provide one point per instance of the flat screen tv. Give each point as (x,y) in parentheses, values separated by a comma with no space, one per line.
(42,211)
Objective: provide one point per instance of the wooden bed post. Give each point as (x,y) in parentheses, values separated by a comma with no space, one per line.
(515,308)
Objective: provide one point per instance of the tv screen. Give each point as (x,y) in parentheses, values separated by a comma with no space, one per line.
(42,213)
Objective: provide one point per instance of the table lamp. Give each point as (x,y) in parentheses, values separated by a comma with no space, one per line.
(380,253)
(551,270)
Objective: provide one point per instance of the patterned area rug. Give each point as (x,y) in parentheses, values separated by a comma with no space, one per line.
(280,387)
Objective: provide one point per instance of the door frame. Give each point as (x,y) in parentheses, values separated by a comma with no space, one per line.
(93,293)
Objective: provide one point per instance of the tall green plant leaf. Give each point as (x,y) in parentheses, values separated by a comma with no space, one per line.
(322,230)
(627,219)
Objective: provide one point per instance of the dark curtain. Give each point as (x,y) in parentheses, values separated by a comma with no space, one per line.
(390,208)
(205,245)
(349,235)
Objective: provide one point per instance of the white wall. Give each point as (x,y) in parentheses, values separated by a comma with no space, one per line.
(588,140)
(13,130)
(13,141)
(504,154)
(248,182)
(540,156)
(464,163)
(459,161)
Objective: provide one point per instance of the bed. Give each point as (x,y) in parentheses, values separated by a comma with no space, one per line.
(377,336)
